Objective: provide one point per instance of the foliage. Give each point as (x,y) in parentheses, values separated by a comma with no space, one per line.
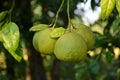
(10,35)
(107,7)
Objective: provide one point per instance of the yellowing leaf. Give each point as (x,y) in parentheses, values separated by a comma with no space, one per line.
(39,27)
(107,7)
(118,5)
(57,32)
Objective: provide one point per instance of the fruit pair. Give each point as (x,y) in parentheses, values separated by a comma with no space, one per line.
(74,44)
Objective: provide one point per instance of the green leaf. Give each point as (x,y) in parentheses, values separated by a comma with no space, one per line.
(109,56)
(3,15)
(94,67)
(80,70)
(57,32)
(115,26)
(106,8)
(16,54)
(102,40)
(1,39)
(1,24)
(11,35)
(39,27)
(48,62)
(118,5)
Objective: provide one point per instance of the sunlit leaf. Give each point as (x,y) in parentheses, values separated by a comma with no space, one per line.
(16,54)
(11,35)
(39,27)
(1,38)
(107,7)
(57,32)
(1,25)
(118,5)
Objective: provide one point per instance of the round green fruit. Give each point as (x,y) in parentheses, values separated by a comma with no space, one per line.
(87,34)
(43,43)
(70,47)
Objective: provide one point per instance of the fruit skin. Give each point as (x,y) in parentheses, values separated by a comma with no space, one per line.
(43,43)
(70,47)
(87,34)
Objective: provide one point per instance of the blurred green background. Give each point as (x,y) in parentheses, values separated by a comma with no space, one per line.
(101,63)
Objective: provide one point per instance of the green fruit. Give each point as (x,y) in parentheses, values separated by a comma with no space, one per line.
(70,47)
(43,43)
(87,34)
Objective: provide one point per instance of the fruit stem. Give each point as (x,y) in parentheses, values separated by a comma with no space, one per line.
(57,14)
(70,27)
(11,9)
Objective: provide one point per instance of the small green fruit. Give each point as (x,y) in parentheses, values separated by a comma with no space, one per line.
(43,43)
